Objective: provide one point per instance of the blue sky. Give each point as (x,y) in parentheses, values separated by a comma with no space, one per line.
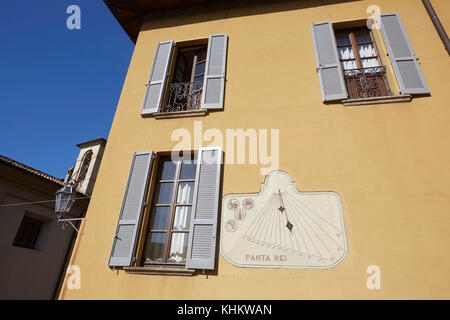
(58,87)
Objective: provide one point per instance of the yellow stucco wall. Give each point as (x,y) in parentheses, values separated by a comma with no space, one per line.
(388,162)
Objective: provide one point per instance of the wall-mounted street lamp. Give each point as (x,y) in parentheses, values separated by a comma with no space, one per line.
(64,200)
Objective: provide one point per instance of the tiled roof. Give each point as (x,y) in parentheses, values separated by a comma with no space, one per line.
(24,167)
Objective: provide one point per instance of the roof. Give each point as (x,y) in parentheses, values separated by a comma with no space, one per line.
(94,141)
(130,13)
(31,170)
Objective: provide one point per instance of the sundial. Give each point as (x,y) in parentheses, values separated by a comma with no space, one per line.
(280,227)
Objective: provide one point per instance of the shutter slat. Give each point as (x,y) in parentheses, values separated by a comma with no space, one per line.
(214,82)
(202,242)
(130,214)
(155,88)
(406,67)
(331,76)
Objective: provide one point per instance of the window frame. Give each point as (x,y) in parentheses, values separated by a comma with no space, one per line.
(177,45)
(384,82)
(145,230)
(37,224)
(84,166)
(354,44)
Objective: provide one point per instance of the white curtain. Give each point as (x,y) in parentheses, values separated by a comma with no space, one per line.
(182,214)
(180,223)
(366,50)
(347,53)
(177,247)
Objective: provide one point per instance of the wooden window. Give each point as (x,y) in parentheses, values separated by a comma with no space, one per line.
(187,77)
(364,74)
(28,233)
(168,229)
(190,64)
(186,85)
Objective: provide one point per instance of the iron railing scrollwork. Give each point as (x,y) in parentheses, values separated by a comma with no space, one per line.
(184,96)
(367,82)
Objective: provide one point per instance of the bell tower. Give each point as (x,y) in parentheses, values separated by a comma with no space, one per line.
(84,173)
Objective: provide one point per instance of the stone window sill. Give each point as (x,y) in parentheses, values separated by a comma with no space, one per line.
(180,114)
(377,100)
(168,271)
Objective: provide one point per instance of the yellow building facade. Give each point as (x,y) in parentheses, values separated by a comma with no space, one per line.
(383,154)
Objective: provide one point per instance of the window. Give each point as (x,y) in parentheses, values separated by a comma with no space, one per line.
(85,166)
(187,76)
(350,68)
(28,233)
(177,228)
(168,231)
(364,75)
(185,89)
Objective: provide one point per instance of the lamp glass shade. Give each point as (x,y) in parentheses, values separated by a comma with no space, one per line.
(64,199)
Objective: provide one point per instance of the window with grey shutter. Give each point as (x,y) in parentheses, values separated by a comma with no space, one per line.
(122,251)
(214,82)
(202,243)
(158,75)
(409,74)
(328,66)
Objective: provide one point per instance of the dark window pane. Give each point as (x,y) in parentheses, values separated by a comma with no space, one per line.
(163,194)
(201,55)
(185,192)
(182,218)
(188,170)
(85,166)
(154,247)
(160,218)
(343,40)
(363,37)
(167,170)
(198,83)
(200,68)
(28,233)
(178,248)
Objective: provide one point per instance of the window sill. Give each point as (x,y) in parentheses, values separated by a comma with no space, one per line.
(181,114)
(377,100)
(160,271)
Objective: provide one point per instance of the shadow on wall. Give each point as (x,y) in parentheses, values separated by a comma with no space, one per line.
(230,10)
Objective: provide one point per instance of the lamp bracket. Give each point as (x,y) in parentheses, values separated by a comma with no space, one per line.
(68,221)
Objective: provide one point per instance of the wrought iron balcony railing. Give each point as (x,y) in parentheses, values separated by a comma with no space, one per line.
(184,96)
(367,82)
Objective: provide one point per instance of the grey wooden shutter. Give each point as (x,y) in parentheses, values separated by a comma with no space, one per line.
(158,75)
(202,240)
(130,214)
(409,74)
(328,65)
(214,82)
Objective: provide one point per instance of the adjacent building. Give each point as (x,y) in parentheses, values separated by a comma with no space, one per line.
(273,150)
(35,248)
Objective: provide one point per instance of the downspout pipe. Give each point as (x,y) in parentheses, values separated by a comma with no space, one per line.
(437,24)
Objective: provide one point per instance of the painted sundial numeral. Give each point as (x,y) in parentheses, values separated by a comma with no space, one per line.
(248,204)
(231,225)
(233,204)
(240,214)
